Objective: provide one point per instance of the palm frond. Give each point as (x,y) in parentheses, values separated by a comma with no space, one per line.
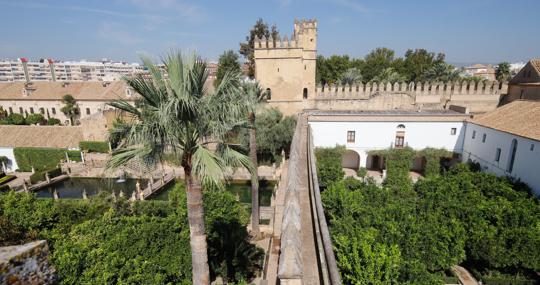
(233,158)
(208,167)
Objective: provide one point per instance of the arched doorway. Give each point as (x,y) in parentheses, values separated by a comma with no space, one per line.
(350,159)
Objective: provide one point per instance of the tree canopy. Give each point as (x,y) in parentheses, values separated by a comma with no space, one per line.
(228,62)
(259,30)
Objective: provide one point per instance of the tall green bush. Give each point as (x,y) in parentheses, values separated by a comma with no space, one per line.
(94,146)
(329,169)
(433,158)
(42,158)
(398,165)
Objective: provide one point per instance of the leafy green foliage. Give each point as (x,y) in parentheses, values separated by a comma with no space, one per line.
(94,146)
(398,165)
(70,108)
(42,158)
(53,122)
(329,169)
(15,119)
(274,134)
(259,30)
(34,119)
(433,158)
(101,241)
(228,62)
(502,73)
(411,236)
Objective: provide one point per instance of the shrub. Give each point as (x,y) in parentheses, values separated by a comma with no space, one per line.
(53,122)
(40,175)
(42,158)
(362,172)
(33,119)
(398,164)
(15,119)
(4,188)
(94,146)
(329,168)
(433,160)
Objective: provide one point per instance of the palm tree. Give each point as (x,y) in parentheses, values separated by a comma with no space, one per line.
(70,108)
(175,114)
(254,96)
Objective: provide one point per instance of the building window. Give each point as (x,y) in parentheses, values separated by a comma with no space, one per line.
(401,126)
(453,131)
(87,111)
(473,134)
(400,140)
(532,147)
(513,150)
(484,138)
(305,93)
(497,154)
(278,69)
(305,67)
(21,111)
(522,94)
(42,111)
(351,136)
(31,110)
(53,111)
(268,94)
(10,110)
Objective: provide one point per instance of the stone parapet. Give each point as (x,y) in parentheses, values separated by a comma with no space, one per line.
(26,264)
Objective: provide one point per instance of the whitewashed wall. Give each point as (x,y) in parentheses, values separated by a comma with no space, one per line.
(8,152)
(526,162)
(381,135)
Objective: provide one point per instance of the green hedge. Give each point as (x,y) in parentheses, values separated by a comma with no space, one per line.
(94,146)
(42,158)
(6,178)
(40,175)
(4,188)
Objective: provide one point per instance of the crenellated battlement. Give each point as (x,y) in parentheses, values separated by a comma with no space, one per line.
(264,43)
(304,34)
(413,89)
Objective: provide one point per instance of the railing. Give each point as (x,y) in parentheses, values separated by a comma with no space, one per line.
(327,260)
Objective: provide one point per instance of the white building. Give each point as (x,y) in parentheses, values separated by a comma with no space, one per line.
(363,131)
(507,142)
(46,97)
(48,70)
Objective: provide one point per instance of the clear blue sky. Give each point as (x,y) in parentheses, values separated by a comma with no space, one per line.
(469,31)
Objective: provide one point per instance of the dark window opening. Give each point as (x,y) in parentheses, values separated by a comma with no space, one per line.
(453,131)
(513,149)
(21,111)
(351,136)
(498,154)
(473,134)
(53,111)
(10,110)
(305,94)
(268,94)
(42,111)
(532,147)
(87,111)
(31,110)
(400,140)
(484,138)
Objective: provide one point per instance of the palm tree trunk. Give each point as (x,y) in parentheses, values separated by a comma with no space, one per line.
(254,176)
(199,247)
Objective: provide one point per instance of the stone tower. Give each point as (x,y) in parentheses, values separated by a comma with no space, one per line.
(286,67)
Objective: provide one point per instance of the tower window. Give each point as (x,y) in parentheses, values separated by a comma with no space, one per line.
(305,93)
(268,94)
(305,67)
(278,69)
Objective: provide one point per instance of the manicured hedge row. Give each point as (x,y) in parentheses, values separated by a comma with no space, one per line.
(94,146)
(40,175)
(42,158)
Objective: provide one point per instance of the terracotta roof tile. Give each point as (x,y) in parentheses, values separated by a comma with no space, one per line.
(56,90)
(520,118)
(40,136)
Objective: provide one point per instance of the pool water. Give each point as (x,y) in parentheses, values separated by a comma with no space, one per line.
(73,189)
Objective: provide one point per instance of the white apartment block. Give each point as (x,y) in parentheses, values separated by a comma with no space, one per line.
(48,70)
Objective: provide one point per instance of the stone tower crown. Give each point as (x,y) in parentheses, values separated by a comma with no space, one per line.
(304,36)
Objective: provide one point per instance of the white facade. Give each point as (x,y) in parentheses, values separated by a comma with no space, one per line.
(13,70)
(371,135)
(485,151)
(12,164)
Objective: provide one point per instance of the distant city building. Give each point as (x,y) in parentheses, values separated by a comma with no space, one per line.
(516,67)
(485,71)
(48,70)
(212,67)
(526,83)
